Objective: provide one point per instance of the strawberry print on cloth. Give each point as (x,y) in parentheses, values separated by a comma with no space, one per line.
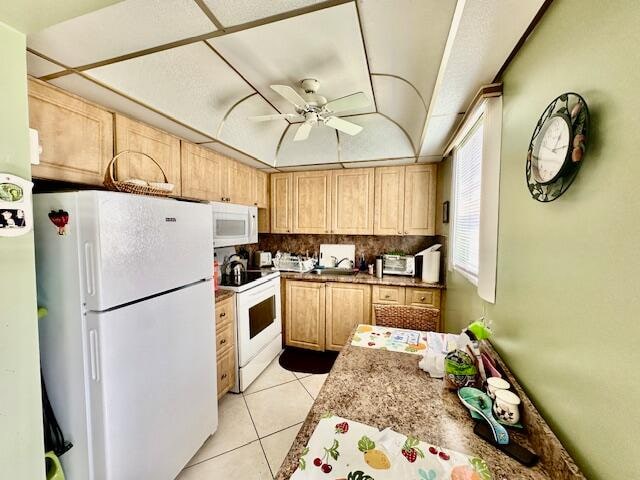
(343,449)
(394,339)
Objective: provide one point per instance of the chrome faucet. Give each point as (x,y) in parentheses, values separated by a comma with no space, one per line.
(342,260)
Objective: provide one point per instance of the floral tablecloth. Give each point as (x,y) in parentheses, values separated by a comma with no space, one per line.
(386,338)
(341,449)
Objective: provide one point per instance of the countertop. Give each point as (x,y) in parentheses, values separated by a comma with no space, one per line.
(223,295)
(387,389)
(361,277)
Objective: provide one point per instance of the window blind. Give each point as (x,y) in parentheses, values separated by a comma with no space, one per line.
(466,218)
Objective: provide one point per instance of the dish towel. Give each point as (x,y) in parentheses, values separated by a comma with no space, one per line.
(387,338)
(346,450)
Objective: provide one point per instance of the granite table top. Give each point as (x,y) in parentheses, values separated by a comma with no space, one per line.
(387,389)
(361,277)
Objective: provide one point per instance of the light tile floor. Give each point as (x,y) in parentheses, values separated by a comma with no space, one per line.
(256,429)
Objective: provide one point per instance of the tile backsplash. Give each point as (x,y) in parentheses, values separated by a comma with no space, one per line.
(370,245)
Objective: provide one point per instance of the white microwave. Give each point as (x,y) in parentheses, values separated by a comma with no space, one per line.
(234,224)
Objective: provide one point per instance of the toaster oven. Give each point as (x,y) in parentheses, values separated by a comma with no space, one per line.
(399,265)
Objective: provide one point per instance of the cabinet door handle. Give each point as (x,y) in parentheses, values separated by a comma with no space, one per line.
(224,375)
(406,233)
(387,296)
(399,232)
(223,341)
(223,314)
(422,299)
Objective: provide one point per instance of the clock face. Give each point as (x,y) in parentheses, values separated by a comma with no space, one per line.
(550,150)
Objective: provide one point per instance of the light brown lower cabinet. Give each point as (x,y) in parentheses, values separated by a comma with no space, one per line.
(321,316)
(348,305)
(413,296)
(225,345)
(305,315)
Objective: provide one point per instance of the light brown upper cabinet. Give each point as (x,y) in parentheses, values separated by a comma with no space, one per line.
(420,199)
(262,189)
(76,136)
(264,220)
(352,201)
(389,201)
(348,305)
(312,202)
(305,314)
(161,146)
(201,169)
(281,202)
(240,183)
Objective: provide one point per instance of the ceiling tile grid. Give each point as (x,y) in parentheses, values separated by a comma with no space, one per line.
(236,12)
(259,139)
(380,138)
(190,83)
(120,29)
(320,148)
(39,67)
(103,96)
(325,45)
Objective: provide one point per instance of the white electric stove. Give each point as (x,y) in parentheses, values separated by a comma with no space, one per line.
(258,323)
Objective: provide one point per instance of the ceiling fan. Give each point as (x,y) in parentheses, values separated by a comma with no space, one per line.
(314,109)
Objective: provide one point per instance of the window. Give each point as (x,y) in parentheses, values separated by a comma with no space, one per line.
(467,176)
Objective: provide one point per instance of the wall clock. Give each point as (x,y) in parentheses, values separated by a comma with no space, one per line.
(557,147)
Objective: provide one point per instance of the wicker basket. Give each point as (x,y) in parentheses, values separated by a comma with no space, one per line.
(412,318)
(112,184)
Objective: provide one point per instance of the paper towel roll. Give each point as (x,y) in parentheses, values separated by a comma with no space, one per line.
(431,267)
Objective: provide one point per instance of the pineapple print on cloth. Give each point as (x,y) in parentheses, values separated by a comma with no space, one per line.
(341,449)
(387,338)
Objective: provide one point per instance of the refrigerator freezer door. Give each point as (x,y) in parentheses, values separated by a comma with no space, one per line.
(152,384)
(135,246)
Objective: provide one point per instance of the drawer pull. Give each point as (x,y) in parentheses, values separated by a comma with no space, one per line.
(223,341)
(223,314)
(224,375)
(422,299)
(387,296)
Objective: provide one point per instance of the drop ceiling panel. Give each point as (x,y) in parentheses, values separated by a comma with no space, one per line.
(111,100)
(39,67)
(407,38)
(487,33)
(311,168)
(235,154)
(399,101)
(381,163)
(259,139)
(439,130)
(326,45)
(119,29)
(189,83)
(320,148)
(236,12)
(379,139)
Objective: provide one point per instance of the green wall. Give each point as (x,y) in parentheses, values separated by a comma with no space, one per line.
(568,295)
(21,447)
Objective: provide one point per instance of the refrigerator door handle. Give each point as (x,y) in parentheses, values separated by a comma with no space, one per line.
(94,349)
(89,268)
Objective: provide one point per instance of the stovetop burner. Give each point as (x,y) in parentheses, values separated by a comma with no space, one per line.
(246,278)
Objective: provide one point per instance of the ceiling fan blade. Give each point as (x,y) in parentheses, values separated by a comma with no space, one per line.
(290,94)
(276,116)
(350,102)
(343,126)
(303,132)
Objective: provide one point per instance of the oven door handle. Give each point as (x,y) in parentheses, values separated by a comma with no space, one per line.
(261,289)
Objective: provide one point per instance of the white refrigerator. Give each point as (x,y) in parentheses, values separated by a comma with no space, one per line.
(128,345)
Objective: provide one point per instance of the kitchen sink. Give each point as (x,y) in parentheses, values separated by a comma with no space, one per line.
(334,271)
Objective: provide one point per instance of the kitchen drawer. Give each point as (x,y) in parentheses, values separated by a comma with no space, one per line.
(423,297)
(225,312)
(226,372)
(388,295)
(224,338)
